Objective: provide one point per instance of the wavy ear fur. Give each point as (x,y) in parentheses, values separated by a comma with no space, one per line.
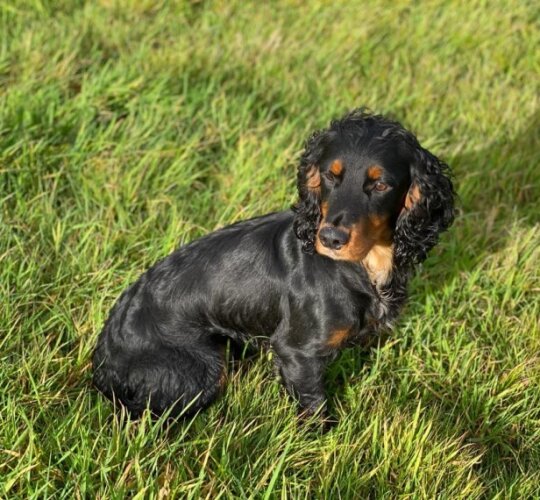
(428,209)
(308,208)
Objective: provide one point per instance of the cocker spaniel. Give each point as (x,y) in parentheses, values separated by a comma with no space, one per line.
(329,273)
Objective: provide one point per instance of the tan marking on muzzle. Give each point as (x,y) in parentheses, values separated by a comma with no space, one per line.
(324,211)
(370,243)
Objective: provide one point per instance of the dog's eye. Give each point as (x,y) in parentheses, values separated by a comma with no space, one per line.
(329,176)
(380,186)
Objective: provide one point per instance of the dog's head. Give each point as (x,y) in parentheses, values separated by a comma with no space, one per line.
(370,193)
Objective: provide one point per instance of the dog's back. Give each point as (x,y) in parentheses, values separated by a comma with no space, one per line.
(162,345)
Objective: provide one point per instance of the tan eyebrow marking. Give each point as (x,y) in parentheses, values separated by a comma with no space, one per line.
(337,167)
(375,172)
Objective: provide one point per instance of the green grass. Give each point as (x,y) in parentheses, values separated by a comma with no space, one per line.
(127,128)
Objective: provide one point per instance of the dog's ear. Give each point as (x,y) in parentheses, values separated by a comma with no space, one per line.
(428,208)
(308,208)
(308,211)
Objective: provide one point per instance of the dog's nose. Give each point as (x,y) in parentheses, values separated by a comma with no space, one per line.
(333,237)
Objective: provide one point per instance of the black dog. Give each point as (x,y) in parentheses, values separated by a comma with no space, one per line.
(330,272)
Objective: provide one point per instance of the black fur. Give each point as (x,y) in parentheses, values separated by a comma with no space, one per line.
(162,346)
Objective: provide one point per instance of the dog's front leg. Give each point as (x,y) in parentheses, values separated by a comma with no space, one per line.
(303,376)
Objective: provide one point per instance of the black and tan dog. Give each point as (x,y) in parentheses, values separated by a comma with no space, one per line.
(326,274)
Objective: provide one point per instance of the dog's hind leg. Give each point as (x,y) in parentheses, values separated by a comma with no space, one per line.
(179,379)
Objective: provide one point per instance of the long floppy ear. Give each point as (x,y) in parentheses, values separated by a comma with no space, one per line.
(308,208)
(428,209)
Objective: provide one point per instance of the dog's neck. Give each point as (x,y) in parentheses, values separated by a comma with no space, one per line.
(389,283)
(378,264)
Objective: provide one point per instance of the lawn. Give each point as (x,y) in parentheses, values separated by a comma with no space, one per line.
(128,128)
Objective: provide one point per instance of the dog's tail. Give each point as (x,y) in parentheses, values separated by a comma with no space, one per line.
(163,379)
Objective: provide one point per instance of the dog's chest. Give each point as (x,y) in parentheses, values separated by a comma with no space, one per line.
(374,325)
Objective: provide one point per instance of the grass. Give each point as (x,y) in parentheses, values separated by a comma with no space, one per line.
(128,128)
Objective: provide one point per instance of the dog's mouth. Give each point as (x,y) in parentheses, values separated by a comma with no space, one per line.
(353,243)
(374,250)
(340,243)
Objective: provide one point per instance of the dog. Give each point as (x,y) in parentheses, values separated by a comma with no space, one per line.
(329,273)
